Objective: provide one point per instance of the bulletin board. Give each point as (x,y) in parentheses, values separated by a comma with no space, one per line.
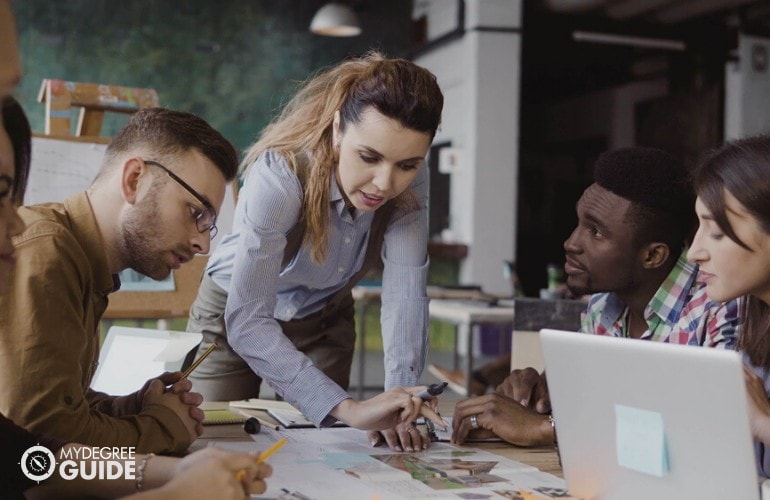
(161,304)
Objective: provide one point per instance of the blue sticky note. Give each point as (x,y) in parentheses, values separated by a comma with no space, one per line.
(641,440)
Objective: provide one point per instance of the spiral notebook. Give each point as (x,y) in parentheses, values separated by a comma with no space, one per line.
(219,417)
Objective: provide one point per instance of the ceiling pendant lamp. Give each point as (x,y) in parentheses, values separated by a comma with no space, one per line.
(335,19)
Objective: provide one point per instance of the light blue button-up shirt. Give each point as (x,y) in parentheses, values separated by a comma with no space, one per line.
(247,264)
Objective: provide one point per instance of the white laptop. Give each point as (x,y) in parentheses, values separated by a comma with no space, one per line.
(131,356)
(648,420)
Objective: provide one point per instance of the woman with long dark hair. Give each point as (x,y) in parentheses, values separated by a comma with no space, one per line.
(732,248)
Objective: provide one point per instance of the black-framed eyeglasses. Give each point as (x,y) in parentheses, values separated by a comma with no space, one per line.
(206,220)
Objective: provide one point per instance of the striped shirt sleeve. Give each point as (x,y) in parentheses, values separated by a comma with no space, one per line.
(271,211)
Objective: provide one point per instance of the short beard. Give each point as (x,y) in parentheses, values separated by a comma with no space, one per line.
(139,232)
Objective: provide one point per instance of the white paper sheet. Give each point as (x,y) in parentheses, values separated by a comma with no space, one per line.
(331,464)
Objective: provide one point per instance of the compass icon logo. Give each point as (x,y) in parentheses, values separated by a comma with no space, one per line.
(38,463)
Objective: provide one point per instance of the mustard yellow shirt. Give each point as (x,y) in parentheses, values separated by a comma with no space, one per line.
(49,338)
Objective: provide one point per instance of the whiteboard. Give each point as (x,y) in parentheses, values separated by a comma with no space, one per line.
(61,168)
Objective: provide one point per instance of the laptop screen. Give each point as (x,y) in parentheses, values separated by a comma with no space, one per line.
(641,420)
(131,356)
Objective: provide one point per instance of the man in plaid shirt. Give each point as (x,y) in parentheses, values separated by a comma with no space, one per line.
(628,250)
(630,246)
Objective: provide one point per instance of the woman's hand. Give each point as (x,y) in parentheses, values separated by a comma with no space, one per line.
(393,412)
(216,473)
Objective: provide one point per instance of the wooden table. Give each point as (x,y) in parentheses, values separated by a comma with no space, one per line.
(544,458)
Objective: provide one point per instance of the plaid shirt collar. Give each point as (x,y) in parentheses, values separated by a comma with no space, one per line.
(664,307)
(674,293)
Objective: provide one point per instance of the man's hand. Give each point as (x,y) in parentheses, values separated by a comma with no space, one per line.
(182,387)
(527,387)
(503,417)
(191,416)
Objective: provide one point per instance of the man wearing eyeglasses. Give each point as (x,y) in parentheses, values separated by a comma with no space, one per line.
(151,208)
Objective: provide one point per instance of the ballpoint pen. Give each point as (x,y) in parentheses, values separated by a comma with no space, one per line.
(294,494)
(427,394)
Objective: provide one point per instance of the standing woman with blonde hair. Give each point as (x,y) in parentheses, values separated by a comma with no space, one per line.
(334,184)
(732,248)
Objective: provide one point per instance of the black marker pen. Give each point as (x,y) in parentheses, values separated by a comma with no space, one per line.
(432,391)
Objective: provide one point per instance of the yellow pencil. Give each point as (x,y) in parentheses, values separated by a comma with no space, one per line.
(265,454)
(198,361)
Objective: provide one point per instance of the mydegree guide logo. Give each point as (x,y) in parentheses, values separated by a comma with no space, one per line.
(38,463)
